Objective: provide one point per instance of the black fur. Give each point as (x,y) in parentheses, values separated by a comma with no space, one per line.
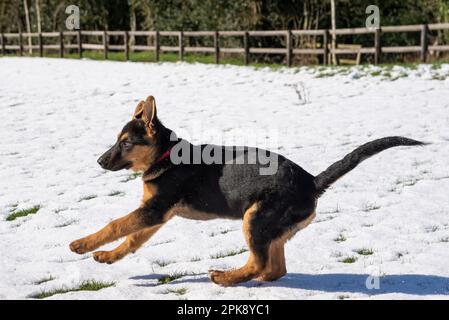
(350,161)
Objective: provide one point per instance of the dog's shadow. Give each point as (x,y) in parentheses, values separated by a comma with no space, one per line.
(416,284)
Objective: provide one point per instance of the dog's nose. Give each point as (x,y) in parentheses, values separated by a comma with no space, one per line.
(102,161)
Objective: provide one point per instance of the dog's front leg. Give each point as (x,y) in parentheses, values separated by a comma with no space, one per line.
(133,222)
(133,242)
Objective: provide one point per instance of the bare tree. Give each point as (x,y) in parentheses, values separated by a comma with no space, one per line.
(132,20)
(28,25)
(334,36)
(38,16)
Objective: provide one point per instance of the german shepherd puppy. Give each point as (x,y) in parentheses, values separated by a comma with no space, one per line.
(273,207)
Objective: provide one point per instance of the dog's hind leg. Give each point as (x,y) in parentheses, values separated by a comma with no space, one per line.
(257,257)
(133,242)
(121,227)
(275,268)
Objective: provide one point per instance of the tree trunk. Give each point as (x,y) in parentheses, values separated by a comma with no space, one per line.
(27,19)
(334,36)
(133,24)
(38,16)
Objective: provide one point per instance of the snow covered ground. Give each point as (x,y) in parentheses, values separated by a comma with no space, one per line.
(388,218)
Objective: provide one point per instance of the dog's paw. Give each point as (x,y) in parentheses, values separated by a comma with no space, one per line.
(104,257)
(218,277)
(80,246)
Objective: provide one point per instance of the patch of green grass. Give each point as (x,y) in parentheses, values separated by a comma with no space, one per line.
(340,238)
(325,75)
(45,279)
(228,253)
(387,75)
(365,252)
(327,218)
(445,239)
(439,77)
(65,224)
(331,211)
(349,260)
(23,213)
(90,285)
(60,209)
(116,193)
(169,278)
(89,197)
(195,259)
(178,292)
(370,207)
(213,234)
(149,56)
(132,176)
(163,242)
(398,76)
(162,263)
(430,229)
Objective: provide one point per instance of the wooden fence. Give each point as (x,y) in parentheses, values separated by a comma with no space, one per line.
(289,50)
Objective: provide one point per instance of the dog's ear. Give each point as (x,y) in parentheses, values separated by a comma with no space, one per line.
(149,115)
(139,110)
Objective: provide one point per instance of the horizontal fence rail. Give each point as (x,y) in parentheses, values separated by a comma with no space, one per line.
(74,40)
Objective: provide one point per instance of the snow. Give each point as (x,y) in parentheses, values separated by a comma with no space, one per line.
(58,116)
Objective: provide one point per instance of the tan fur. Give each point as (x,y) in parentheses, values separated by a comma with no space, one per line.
(188,212)
(139,110)
(253,266)
(116,229)
(140,157)
(149,115)
(275,267)
(123,137)
(149,191)
(130,245)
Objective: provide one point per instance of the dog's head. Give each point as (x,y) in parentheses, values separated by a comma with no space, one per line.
(140,143)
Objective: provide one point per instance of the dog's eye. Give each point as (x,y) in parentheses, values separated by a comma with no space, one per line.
(126,144)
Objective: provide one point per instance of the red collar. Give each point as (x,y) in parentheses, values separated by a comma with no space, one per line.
(165,155)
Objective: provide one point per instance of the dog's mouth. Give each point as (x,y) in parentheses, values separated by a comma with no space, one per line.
(125,165)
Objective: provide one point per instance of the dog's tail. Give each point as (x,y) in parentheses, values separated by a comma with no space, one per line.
(350,161)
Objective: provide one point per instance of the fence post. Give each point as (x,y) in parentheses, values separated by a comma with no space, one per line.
(288,40)
(181,45)
(246,46)
(61,44)
(378,46)
(41,45)
(20,43)
(326,47)
(105,45)
(424,42)
(217,47)
(126,43)
(157,45)
(80,44)
(3,43)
